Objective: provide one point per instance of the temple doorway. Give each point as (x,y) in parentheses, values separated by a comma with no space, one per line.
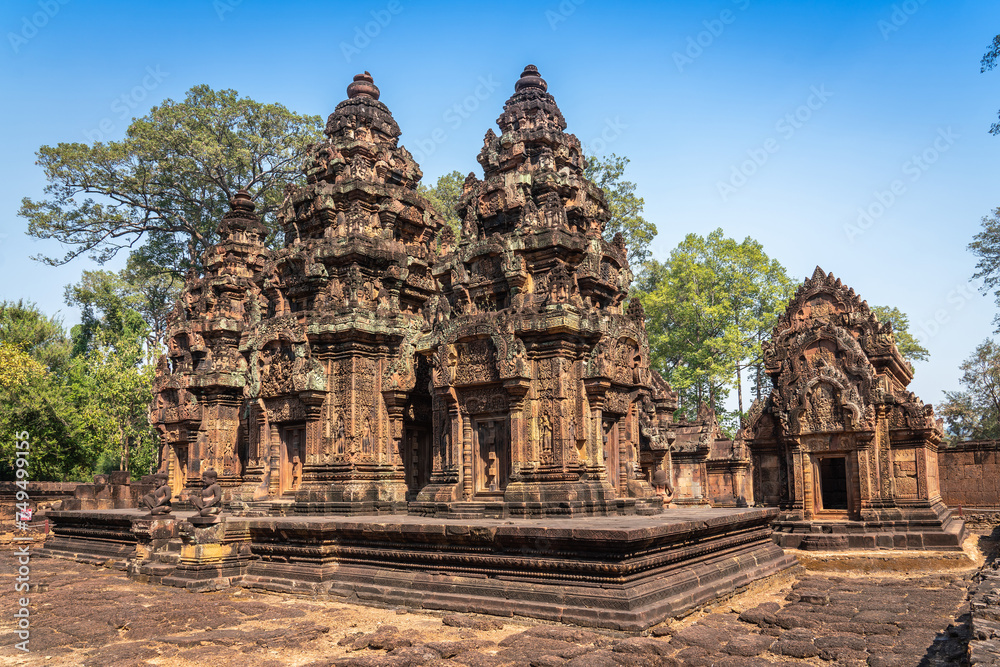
(416,459)
(611,452)
(177,469)
(292,457)
(492,456)
(833,483)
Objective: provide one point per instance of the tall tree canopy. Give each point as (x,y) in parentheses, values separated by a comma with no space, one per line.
(83,403)
(125,305)
(988,62)
(986,245)
(444,196)
(908,345)
(710,307)
(35,361)
(625,207)
(169,181)
(974,412)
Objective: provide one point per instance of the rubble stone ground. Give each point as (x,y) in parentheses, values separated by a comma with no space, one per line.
(86,615)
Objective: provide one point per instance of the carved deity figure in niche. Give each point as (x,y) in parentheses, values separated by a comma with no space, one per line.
(445,441)
(335,293)
(366,438)
(339,439)
(820,404)
(545,428)
(559,285)
(488,454)
(296,470)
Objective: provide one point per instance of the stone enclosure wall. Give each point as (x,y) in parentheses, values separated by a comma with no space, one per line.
(969,473)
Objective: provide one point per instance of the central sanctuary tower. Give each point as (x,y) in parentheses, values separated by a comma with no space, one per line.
(542,391)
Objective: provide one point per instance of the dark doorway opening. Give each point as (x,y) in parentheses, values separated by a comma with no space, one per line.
(833,482)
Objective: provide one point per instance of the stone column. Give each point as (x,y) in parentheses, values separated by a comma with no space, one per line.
(395,404)
(596,389)
(274,459)
(467,442)
(517,390)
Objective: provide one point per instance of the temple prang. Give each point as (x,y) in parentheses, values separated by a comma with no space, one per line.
(541,376)
(376,363)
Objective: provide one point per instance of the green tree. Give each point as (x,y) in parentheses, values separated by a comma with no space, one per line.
(84,411)
(35,362)
(710,307)
(115,304)
(626,208)
(444,196)
(111,373)
(974,412)
(908,345)
(986,245)
(113,383)
(988,62)
(169,181)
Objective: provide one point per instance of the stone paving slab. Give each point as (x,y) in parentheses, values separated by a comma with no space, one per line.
(82,615)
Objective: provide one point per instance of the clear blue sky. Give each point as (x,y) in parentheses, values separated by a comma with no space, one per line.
(777,120)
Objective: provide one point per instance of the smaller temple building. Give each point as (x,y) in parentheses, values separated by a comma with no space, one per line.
(846,452)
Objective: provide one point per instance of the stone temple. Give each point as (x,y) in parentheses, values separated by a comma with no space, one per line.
(405,415)
(847,453)
(378,364)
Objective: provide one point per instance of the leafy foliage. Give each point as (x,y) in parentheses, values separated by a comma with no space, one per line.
(988,62)
(625,207)
(113,383)
(908,345)
(710,307)
(78,408)
(34,397)
(169,181)
(123,305)
(986,244)
(974,412)
(444,196)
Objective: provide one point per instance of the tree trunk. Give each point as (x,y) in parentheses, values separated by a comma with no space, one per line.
(739,392)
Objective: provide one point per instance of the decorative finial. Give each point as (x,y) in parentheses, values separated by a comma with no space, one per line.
(363,85)
(530,78)
(241,201)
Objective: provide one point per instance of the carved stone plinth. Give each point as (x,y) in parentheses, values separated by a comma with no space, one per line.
(625,573)
(96,536)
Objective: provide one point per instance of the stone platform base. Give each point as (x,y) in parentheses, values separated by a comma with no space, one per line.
(625,573)
(94,536)
(924,528)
